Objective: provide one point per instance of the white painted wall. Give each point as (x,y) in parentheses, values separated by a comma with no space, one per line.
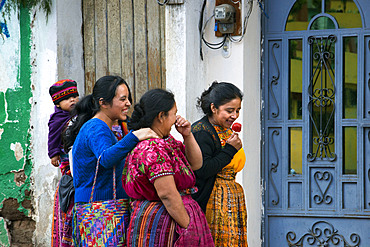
(184,69)
(44,175)
(242,68)
(57,54)
(252,123)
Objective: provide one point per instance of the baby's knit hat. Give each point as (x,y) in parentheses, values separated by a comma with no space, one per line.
(62,90)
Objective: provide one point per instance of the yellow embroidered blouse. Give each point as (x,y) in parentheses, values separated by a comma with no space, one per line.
(239,158)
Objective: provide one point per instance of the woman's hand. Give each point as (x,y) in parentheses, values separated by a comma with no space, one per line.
(235,141)
(145,133)
(183,126)
(192,149)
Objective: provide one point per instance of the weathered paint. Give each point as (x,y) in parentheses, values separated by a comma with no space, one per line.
(125,42)
(4,234)
(56,54)
(15,107)
(3,27)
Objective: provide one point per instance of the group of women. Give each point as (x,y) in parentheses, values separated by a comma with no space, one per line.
(181,193)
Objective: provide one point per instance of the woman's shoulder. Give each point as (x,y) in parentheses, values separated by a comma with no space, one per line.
(148,149)
(154,144)
(150,144)
(201,125)
(203,128)
(95,122)
(94,126)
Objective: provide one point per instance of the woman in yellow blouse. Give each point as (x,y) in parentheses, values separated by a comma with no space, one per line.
(219,195)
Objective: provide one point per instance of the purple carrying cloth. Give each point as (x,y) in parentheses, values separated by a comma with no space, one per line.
(57,122)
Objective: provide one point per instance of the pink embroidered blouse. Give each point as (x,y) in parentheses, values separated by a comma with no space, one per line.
(154,158)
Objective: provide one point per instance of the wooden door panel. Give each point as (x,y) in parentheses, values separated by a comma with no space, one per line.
(140,46)
(114,37)
(101,43)
(126,38)
(127,31)
(154,46)
(89,44)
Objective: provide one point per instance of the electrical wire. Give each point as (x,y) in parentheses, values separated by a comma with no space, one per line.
(213,46)
(162,3)
(219,45)
(200,27)
(263,10)
(245,23)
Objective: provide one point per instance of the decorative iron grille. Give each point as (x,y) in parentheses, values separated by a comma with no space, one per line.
(323,234)
(321,91)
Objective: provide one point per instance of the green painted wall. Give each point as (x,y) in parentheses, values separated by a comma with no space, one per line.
(4,239)
(15,108)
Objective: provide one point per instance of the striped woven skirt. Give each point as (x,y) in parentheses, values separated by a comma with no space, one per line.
(226,211)
(152,226)
(61,225)
(61,235)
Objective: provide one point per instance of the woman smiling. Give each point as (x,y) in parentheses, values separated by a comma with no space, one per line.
(98,158)
(219,195)
(159,177)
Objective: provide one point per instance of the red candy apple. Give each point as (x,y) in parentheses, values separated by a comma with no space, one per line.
(237,127)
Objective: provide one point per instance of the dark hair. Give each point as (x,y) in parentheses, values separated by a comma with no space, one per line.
(219,93)
(104,88)
(151,104)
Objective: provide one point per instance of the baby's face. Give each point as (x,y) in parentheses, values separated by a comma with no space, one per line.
(68,104)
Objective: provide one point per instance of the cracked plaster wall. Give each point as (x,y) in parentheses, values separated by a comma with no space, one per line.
(31,59)
(51,39)
(15,107)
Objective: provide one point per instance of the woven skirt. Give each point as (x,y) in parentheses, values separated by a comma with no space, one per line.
(62,224)
(152,226)
(226,211)
(61,235)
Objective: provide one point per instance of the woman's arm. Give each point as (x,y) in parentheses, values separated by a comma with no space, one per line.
(171,199)
(192,151)
(102,142)
(113,154)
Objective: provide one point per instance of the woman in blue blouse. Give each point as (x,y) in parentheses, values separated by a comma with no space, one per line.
(92,137)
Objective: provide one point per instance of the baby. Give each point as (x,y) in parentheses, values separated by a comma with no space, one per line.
(64,95)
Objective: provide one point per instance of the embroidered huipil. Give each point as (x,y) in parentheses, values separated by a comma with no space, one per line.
(154,158)
(150,223)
